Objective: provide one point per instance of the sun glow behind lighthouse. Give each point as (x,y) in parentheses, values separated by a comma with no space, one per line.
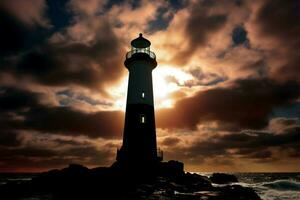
(163,86)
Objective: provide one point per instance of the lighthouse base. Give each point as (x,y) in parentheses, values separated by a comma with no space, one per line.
(128,162)
(139,148)
(142,171)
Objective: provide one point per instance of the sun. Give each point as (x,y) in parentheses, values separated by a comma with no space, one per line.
(163,87)
(167,80)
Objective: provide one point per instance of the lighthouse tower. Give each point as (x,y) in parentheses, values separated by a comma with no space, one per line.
(139,137)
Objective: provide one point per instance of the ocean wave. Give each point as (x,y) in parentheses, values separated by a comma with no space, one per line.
(282,189)
(4,181)
(283,185)
(279,195)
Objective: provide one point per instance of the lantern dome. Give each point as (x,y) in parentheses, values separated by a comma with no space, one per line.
(140,42)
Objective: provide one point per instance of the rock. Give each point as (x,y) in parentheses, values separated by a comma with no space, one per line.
(75,168)
(221,178)
(193,182)
(171,168)
(170,182)
(237,192)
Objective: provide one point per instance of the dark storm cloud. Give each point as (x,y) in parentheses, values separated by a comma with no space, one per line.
(13,103)
(247,144)
(259,67)
(26,152)
(247,104)
(171,141)
(260,146)
(280,21)
(13,99)
(43,158)
(9,138)
(89,152)
(13,34)
(27,51)
(16,36)
(17,103)
(201,24)
(64,120)
(75,63)
(264,154)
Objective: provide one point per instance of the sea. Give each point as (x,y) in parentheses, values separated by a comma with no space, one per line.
(269,186)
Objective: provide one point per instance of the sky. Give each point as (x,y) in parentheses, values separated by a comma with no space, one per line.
(226,88)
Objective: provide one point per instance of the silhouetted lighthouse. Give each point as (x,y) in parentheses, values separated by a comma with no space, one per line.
(139,138)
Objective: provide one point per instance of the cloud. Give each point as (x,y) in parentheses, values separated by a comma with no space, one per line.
(200,26)
(274,28)
(88,65)
(212,149)
(171,141)
(280,124)
(31,157)
(202,22)
(30,12)
(245,104)
(63,120)
(9,139)
(199,78)
(83,53)
(12,99)
(248,144)
(204,79)
(22,110)
(208,27)
(89,7)
(13,36)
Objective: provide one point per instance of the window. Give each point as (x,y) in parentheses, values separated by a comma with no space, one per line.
(143,95)
(143,119)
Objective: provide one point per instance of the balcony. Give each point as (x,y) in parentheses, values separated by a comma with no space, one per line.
(140,50)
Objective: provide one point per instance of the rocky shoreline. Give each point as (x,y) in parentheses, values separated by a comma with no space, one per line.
(169,182)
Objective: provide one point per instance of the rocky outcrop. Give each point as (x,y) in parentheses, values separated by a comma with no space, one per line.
(78,182)
(221,178)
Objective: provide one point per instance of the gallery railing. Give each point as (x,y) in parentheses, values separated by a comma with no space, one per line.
(150,53)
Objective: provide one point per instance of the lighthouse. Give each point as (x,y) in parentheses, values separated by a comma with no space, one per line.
(139,146)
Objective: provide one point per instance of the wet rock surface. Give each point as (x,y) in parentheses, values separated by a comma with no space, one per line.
(221,178)
(169,182)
